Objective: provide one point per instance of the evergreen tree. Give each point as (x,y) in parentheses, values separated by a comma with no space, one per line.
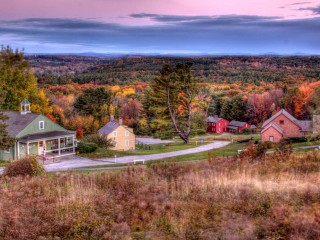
(6,140)
(173,94)
(93,102)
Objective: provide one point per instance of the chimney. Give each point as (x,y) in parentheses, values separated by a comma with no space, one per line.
(111,117)
(120,121)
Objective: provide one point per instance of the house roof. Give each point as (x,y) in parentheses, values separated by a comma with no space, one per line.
(253,126)
(25,101)
(282,111)
(109,128)
(213,119)
(16,121)
(272,124)
(237,123)
(305,125)
(45,135)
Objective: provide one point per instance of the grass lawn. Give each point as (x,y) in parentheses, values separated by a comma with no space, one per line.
(230,150)
(156,148)
(3,163)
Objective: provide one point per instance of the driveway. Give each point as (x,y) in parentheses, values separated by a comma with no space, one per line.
(78,162)
(150,141)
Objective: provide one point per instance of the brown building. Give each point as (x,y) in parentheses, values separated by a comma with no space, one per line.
(283,125)
(122,136)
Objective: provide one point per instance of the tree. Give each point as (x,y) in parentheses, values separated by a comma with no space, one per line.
(6,141)
(93,102)
(17,81)
(173,94)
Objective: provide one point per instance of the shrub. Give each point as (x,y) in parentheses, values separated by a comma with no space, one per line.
(86,147)
(201,131)
(29,166)
(296,139)
(247,131)
(98,139)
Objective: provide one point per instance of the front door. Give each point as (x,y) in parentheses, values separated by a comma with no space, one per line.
(41,148)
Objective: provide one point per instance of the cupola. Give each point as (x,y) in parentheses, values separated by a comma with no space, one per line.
(25,107)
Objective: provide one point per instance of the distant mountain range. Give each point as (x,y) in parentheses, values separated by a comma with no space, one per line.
(110,55)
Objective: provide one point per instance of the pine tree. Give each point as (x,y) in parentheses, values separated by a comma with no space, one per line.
(173,94)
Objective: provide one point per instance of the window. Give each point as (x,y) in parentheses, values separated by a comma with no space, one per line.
(281,122)
(127,143)
(271,139)
(115,143)
(7,150)
(41,125)
(127,133)
(114,133)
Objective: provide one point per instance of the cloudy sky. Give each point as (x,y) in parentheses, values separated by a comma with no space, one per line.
(162,26)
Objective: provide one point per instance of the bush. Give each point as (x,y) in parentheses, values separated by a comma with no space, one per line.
(98,139)
(296,139)
(201,131)
(25,167)
(247,131)
(86,147)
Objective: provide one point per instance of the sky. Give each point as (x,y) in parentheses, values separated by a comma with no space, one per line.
(162,26)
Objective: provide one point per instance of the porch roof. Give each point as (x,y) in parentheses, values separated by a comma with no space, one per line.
(44,136)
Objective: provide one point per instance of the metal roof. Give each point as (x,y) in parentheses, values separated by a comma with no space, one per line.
(109,128)
(16,121)
(46,135)
(274,126)
(237,123)
(213,119)
(25,101)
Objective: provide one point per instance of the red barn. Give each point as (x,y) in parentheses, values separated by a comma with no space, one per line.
(237,127)
(217,125)
(283,125)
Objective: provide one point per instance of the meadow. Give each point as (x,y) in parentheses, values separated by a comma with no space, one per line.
(221,198)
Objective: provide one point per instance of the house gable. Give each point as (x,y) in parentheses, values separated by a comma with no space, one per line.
(34,127)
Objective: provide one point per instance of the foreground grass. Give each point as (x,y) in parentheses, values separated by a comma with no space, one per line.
(275,198)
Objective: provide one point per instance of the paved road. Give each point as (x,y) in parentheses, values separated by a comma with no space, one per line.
(150,141)
(78,162)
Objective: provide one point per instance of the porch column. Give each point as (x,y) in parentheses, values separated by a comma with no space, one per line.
(59,146)
(27,148)
(18,150)
(73,145)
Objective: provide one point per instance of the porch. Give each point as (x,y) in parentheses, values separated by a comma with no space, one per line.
(47,145)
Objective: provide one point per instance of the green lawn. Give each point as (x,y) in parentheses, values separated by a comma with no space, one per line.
(230,150)
(156,148)
(3,163)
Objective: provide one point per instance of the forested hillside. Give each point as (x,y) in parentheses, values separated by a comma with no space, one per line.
(125,70)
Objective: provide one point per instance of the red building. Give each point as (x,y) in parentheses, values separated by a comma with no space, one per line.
(217,125)
(237,127)
(283,125)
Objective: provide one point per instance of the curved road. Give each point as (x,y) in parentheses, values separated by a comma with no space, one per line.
(79,162)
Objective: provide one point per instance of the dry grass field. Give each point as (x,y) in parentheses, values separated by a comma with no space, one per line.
(274,198)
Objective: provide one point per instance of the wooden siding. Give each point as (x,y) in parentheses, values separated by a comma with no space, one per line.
(121,139)
(33,127)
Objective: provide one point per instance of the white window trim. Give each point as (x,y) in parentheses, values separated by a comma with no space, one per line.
(40,125)
(7,150)
(114,133)
(127,133)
